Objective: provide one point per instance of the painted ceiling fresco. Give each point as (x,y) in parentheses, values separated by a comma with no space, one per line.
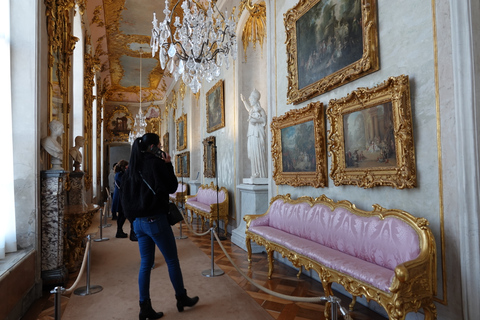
(121,31)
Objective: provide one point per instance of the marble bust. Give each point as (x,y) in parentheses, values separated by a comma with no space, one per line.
(75,153)
(52,145)
(256,136)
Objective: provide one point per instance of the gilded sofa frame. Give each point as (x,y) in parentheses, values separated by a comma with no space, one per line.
(415,281)
(212,215)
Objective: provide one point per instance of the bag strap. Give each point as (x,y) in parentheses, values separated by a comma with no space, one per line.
(147,183)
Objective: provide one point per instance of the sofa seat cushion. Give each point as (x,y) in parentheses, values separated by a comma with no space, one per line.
(198,205)
(209,196)
(375,275)
(385,242)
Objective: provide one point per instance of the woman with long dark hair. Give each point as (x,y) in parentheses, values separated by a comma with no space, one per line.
(146,185)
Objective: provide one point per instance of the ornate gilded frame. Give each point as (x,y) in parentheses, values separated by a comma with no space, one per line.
(154,120)
(61,44)
(397,171)
(182,164)
(368,61)
(209,169)
(215,107)
(181,125)
(111,116)
(166,142)
(293,157)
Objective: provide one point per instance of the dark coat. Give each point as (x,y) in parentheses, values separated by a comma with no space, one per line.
(137,198)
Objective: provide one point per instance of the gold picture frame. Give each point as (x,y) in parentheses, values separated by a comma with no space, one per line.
(209,169)
(321,57)
(181,132)
(182,164)
(215,107)
(166,142)
(119,124)
(299,149)
(371,136)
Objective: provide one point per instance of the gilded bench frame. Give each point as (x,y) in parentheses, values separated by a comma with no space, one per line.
(414,284)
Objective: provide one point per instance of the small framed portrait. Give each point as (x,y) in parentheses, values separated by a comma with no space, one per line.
(209,157)
(182,132)
(329,43)
(371,136)
(166,142)
(182,164)
(299,147)
(215,107)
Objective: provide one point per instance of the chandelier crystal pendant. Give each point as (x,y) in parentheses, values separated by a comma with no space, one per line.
(200,44)
(140,123)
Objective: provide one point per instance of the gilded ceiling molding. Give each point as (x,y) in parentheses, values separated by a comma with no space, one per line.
(255,29)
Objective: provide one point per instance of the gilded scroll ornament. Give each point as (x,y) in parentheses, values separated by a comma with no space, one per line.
(255,29)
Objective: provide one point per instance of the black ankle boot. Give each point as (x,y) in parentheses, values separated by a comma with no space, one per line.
(147,312)
(184,301)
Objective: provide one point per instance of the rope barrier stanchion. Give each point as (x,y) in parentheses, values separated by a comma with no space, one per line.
(212,272)
(101,230)
(181,236)
(57,301)
(105,216)
(88,289)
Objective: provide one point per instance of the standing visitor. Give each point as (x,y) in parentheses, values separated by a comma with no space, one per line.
(144,195)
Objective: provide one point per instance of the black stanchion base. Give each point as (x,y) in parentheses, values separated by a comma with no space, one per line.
(212,273)
(101,239)
(82,291)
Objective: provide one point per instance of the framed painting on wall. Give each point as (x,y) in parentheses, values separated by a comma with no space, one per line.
(329,43)
(119,123)
(182,164)
(182,132)
(215,107)
(166,142)
(299,147)
(209,157)
(371,136)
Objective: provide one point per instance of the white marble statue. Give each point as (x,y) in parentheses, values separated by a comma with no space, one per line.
(257,120)
(52,146)
(75,153)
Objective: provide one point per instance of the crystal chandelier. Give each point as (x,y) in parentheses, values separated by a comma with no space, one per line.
(199,45)
(140,123)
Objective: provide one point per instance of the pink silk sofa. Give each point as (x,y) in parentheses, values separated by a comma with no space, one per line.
(204,204)
(178,197)
(385,255)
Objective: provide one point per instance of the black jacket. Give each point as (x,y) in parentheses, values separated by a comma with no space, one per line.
(136,197)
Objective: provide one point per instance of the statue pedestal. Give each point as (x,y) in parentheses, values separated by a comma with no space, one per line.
(194,186)
(78,219)
(76,195)
(253,200)
(54,272)
(255,181)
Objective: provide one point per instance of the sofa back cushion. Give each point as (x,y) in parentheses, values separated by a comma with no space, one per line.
(386,242)
(209,196)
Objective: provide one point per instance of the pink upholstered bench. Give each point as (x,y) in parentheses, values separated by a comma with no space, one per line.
(386,255)
(178,197)
(204,204)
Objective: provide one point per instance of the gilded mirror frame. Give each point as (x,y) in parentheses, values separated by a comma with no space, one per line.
(296,144)
(389,159)
(61,44)
(303,85)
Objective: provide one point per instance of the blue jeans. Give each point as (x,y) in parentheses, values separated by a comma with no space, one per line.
(157,231)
